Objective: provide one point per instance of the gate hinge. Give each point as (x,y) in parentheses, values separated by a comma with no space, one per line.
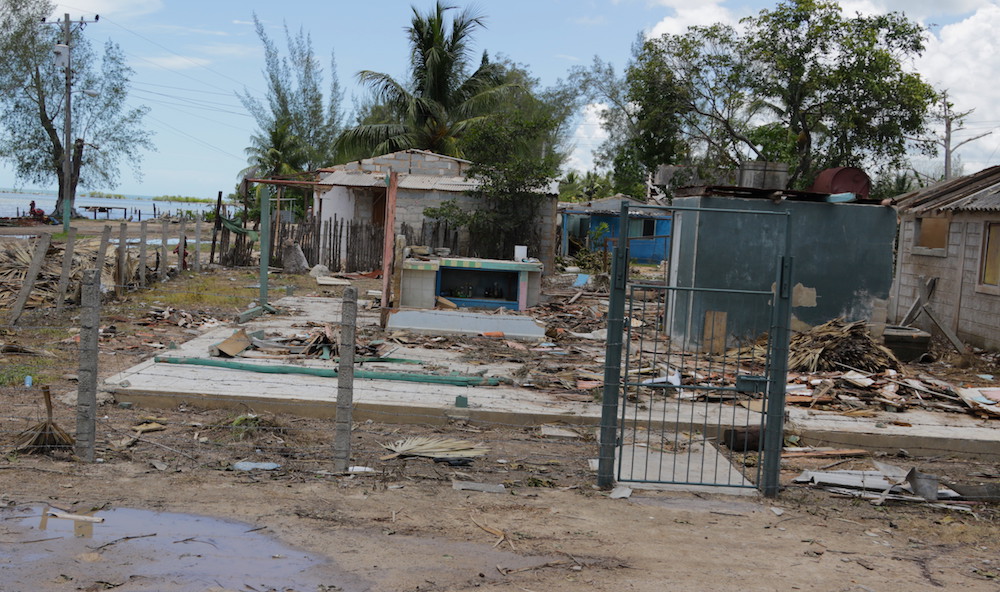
(751,384)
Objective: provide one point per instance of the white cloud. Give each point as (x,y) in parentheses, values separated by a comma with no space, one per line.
(176,62)
(920,10)
(689,14)
(110,8)
(587,137)
(960,59)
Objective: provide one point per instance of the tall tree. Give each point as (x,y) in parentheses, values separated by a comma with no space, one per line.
(439,103)
(803,84)
(514,171)
(639,113)
(105,130)
(295,102)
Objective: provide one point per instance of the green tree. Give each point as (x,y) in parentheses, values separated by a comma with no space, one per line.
(441,101)
(800,83)
(514,172)
(295,100)
(106,132)
(639,113)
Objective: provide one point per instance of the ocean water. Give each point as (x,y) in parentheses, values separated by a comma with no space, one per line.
(137,208)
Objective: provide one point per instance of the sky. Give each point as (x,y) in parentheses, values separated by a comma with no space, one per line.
(190,59)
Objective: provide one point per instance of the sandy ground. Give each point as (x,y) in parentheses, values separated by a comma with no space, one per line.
(408,529)
(403,527)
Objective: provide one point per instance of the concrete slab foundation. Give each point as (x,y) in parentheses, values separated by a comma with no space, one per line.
(153,384)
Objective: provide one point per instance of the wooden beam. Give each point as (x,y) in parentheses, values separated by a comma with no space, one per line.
(67,263)
(41,248)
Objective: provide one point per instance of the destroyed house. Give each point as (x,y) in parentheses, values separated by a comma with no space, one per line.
(949,258)
(357,192)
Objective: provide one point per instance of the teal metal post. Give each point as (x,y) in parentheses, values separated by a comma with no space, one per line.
(265,259)
(613,357)
(777,375)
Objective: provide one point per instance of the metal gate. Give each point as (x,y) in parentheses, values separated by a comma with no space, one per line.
(697,350)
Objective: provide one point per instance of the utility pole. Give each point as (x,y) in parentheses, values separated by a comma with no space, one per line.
(63,58)
(949,117)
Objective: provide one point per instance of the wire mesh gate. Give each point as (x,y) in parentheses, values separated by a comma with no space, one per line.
(697,352)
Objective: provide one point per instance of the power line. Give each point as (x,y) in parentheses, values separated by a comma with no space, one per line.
(193,62)
(170,86)
(195,139)
(196,103)
(196,115)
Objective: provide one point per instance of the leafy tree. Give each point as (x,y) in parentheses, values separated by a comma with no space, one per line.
(105,131)
(640,116)
(297,125)
(295,100)
(800,83)
(512,183)
(441,101)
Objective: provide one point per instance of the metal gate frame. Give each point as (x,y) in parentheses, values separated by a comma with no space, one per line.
(771,385)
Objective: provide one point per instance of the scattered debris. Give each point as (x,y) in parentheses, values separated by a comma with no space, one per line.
(45,436)
(481,487)
(621,492)
(245,465)
(433,448)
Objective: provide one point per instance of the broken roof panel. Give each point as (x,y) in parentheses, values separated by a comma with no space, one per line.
(979,192)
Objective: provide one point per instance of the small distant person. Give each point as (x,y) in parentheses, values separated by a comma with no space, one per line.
(35,213)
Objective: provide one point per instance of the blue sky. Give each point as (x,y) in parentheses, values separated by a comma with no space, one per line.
(191,58)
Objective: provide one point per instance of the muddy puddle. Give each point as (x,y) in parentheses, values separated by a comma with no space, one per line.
(142,550)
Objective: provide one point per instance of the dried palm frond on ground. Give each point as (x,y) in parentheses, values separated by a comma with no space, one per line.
(836,344)
(15,258)
(43,437)
(434,448)
(832,346)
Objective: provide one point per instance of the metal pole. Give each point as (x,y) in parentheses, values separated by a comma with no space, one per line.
(86,401)
(67,132)
(345,382)
(265,243)
(774,425)
(613,357)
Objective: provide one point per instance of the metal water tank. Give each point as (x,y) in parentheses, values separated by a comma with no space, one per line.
(842,180)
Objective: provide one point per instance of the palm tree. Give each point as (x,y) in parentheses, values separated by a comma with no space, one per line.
(441,101)
(275,152)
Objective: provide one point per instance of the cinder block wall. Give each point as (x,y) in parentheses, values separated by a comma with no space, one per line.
(973,315)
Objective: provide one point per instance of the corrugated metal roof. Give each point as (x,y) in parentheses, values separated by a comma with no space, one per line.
(979,192)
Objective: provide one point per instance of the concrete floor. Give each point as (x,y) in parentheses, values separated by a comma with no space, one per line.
(157,384)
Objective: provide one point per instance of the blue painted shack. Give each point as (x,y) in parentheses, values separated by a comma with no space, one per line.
(593,225)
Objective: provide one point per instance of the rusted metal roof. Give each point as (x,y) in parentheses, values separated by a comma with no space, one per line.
(979,192)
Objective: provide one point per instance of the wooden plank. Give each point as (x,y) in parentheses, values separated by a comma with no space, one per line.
(216,227)
(955,341)
(388,245)
(182,247)
(143,256)
(923,297)
(162,267)
(67,264)
(120,268)
(101,250)
(41,248)
(714,335)
(197,243)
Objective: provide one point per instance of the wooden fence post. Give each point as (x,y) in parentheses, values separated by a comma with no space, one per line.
(67,264)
